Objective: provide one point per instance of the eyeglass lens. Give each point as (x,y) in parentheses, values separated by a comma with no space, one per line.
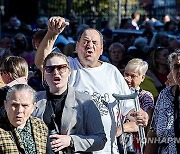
(60,68)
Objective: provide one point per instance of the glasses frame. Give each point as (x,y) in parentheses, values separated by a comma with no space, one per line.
(60,68)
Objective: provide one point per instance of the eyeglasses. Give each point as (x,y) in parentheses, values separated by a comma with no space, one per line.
(60,68)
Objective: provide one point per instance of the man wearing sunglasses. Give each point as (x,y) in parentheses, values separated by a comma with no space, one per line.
(92,76)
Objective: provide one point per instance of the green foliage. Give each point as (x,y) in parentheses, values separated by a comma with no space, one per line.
(85,7)
(82,10)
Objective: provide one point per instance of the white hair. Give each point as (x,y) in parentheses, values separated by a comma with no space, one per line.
(137,65)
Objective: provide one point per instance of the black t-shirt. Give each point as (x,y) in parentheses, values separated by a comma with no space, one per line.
(55,105)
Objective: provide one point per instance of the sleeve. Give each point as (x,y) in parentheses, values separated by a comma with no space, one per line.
(146,100)
(163,113)
(94,138)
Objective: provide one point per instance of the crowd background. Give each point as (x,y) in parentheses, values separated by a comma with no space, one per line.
(148,38)
(136,39)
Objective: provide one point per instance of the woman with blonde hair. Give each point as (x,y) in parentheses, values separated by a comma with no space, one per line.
(134,75)
(73,120)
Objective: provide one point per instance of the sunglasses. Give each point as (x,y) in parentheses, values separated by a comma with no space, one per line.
(60,68)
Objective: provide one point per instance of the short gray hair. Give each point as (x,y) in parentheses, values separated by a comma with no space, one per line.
(21,87)
(172,56)
(137,65)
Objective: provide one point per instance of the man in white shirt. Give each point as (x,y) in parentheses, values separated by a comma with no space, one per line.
(97,78)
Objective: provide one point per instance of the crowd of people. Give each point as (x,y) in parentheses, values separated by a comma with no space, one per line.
(56,92)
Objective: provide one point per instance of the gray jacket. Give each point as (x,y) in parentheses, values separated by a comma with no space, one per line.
(80,119)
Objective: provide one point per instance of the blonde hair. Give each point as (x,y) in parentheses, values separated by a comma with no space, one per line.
(137,65)
(55,54)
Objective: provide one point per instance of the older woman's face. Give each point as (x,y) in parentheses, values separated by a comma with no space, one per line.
(19,108)
(176,70)
(56,74)
(133,78)
(116,54)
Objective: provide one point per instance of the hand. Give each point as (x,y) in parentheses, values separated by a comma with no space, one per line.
(57,24)
(141,117)
(59,142)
